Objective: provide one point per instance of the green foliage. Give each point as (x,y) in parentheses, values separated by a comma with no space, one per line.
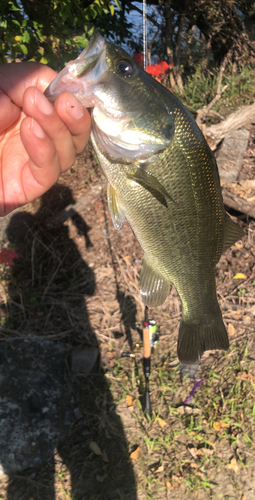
(52,31)
(200,88)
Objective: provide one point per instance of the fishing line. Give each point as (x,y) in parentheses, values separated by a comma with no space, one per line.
(144,36)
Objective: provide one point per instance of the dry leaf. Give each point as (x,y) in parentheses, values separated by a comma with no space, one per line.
(239,276)
(237,315)
(159,469)
(168,484)
(224,425)
(233,465)
(193,452)
(246,376)
(161,422)
(206,451)
(231,329)
(175,479)
(135,454)
(220,425)
(193,465)
(105,457)
(95,448)
(100,479)
(188,410)
(129,400)
(216,426)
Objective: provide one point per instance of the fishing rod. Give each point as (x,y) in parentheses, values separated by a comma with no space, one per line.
(146,361)
(150,336)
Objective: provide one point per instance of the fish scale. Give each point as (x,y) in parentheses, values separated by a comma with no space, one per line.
(164,179)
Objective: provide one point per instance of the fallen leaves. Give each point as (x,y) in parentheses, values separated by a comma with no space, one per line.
(196,452)
(231,330)
(100,479)
(220,425)
(233,465)
(246,376)
(239,276)
(97,450)
(130,400)
(135,454)
(168,484)
(161,422)
(160,469)
(188,410)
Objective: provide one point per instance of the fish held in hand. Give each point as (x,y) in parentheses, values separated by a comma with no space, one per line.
(163,179)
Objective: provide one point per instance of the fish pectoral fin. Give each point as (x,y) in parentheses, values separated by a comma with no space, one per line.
(149,182)
(153,287)
(232,233)
(116,211)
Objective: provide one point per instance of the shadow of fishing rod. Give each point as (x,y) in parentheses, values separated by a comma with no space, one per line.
(149,334)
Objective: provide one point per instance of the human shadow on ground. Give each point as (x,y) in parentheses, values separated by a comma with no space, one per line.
(126,302)
(47,408)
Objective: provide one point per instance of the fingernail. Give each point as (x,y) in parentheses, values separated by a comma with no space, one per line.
(37,129)
(42,103)
(74,108)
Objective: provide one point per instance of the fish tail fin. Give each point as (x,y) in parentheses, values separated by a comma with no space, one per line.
(197,336)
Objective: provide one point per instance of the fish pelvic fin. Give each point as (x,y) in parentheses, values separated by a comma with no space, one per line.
(153,287)
(197,337)
(115,208)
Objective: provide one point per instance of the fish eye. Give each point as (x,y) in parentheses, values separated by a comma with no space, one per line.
(125,68)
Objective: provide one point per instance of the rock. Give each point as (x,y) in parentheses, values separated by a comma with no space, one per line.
(230,157)
(33,402)
(83,359)
(77,413)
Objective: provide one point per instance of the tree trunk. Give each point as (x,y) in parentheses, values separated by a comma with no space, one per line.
(215,133)
(177,65)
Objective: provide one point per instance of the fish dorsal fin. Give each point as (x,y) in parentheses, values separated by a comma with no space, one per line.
(149,182)
(153,287)
(232,233)
(116,211)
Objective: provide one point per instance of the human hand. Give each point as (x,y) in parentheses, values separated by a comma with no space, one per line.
(38,141)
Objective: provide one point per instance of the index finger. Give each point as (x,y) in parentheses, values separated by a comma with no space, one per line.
(15,78)
(9,112)
(76,118)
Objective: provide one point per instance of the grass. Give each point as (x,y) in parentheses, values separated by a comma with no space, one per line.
(202,450)
(226,420)
(200,89)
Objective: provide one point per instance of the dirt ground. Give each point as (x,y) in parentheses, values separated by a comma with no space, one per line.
(78,282)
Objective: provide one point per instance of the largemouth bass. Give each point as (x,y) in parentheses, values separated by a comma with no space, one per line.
(163,179)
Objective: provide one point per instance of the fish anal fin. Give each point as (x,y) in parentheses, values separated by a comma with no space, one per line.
(197,337)
(232,233)
(153,287)
(116,211)
(149,182)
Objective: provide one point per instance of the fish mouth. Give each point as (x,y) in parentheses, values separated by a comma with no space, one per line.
(95,82)
(90,63)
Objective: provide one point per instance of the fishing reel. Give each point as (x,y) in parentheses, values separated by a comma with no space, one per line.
(154,333)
